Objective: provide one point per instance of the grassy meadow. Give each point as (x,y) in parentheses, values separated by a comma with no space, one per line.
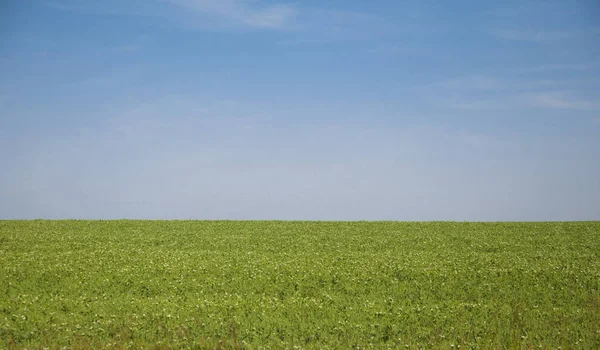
(292,285)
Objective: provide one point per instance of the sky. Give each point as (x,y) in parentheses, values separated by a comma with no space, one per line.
(300,110)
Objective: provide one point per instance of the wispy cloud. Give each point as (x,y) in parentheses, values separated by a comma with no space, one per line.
(244,13)
(559,100)
(489,83)
(126,48)
(324,25)
(305,24)
(557,67)
(472,82)
(530,35)
(106,7)
(491,93)
(481,104)
(511,100)
(247,13)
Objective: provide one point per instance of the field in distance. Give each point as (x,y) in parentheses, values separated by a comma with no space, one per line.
(253,284)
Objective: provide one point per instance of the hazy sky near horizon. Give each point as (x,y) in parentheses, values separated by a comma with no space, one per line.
(307,110)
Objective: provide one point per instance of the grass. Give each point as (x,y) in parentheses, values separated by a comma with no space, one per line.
(221,284)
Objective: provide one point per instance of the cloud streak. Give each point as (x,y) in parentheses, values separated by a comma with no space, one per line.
(557,67)
(559,100)
(245,13)
(303,24)
(530,35)
(492,93)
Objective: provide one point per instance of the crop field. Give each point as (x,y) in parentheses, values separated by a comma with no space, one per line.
(312,285)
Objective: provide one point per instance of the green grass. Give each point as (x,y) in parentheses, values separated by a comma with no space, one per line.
(126,284)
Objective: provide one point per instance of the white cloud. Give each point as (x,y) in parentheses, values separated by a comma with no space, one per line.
(104,7)
(557,67)
(472,82)
(511,100)
(487,83)
(559,100)
(531,35)
(246,13)
(318,24)
(501,93)
(480,105)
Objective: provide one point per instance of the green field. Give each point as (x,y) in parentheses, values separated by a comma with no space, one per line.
(195,284)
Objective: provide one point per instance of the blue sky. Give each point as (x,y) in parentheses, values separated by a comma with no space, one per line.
(309,110)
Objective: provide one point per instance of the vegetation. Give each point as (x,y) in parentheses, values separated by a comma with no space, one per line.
(194,284)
